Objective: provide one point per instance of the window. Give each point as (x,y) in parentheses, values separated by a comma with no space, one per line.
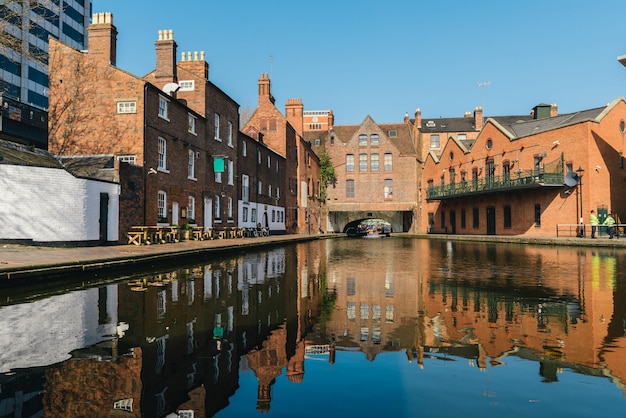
(253,215)
(124,405)
(191,125)
(475,218)
(191,210)
(259,189)
(186,85)
(244,214)
(244,148)
(349,188)
(434,141)
(362,140)
(537,214)
(218,207)
(507,216)
(350,162)
(463,223)
(230,208)
(362,162)
(162,205)
(269,190)
(388,162)
(231,172)
(131,159)
(269,162)
(245,188)
(489,144)
(217,127)
(163,102)
(162,149)
(374,162)
(443,219)
(127,107)
(462,137)
(318,142)
(273,215)
(388,189)
(191,164)
(230,134)
(259,155)
(374,139)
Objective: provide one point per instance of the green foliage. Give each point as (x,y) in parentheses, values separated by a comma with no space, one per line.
(327,173)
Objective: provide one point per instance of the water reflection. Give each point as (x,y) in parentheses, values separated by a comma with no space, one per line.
(232,336)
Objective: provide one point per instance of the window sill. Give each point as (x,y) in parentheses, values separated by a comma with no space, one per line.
(163,170)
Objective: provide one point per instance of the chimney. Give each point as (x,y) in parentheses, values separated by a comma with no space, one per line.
(478,118)
(102,38)
(294,110)
(165,58)
(195,63)
(264,89)
(331,120)
(418,117)
(406,118)
(554,110)
(467,115)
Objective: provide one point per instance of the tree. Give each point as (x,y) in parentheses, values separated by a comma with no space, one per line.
(327,173)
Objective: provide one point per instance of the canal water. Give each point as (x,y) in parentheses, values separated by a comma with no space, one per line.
(397,327)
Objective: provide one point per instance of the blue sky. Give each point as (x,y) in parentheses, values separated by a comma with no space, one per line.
(384,59)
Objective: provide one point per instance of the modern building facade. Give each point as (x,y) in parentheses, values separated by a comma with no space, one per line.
(30,24)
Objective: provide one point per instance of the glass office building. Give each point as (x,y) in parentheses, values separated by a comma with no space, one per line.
(27,24)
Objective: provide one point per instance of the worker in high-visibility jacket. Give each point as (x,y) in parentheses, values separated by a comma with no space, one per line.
(593,220)
(610,225)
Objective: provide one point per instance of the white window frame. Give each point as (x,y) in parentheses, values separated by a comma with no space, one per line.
(162,204)
(191,127)
(187,85)
(162,150)
(388,161)
(245,188)
(131,159)
(230,134)
(231,172)
(216,121)
(374,161)
(230,208)
(191,165)
(259,189)
(388,189)
(350,162)
(163,108)
(126,107)
(191,209)
(218,208)
(244,148)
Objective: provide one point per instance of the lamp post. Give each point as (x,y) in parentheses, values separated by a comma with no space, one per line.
(580,172)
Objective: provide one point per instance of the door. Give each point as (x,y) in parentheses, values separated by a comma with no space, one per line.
(453,222)
(104,217)
(491,221)
(174,213)
(208,213)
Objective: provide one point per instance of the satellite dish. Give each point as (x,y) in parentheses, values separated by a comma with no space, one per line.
(170,88)
(571,179)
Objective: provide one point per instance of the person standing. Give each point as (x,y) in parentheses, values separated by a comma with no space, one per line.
(610,223)
(593,220)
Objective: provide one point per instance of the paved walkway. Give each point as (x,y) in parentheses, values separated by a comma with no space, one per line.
(22,262)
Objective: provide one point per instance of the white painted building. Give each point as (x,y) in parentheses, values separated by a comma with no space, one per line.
(43,202)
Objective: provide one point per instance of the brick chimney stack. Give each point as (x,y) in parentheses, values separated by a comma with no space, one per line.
(331,120)
(418,117)
(102,40)
(165,58)
(294,111)
(264,89)
(478,118)
(406,118)
(195,63)
(554,110)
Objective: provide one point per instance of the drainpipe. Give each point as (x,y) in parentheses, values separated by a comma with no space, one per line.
(145,157)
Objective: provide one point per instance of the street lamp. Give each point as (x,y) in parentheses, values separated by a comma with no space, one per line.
(580,172)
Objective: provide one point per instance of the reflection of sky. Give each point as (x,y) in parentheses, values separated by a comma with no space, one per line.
(391,387)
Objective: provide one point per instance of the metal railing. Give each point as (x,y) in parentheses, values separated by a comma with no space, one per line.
(584,230)
(518,180)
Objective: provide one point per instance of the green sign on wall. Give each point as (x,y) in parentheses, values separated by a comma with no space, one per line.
(218,164)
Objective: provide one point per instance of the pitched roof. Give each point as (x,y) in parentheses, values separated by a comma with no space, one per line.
(12,153)
(462,124)
(96,167)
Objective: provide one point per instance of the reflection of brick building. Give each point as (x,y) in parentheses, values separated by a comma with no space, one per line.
(118,384)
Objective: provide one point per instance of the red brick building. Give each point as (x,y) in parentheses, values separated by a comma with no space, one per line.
(377,169)
(283,134)
(526,176)
(174,123)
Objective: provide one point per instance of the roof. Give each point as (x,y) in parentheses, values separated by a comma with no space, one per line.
(12,153)
(96,167)
(463,124)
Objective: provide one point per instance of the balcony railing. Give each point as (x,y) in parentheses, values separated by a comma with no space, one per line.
(519,180)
